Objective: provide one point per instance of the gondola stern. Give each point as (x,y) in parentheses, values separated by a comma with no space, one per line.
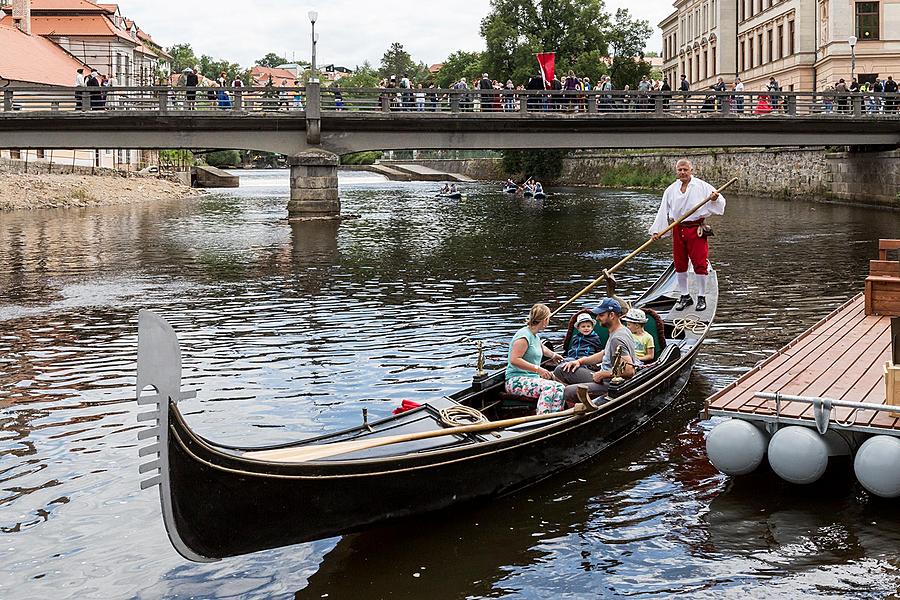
(159,387)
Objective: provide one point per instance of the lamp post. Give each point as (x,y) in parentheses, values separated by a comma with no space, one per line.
(852,41)
(313,15)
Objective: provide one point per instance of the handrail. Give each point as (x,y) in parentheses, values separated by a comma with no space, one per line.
(570,103)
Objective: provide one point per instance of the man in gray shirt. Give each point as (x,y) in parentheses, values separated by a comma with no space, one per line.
(572,373)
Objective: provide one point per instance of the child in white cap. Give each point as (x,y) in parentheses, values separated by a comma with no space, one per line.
(584,341)
(644,346)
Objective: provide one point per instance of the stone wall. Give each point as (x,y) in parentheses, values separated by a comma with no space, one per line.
(783,172)
(865,177)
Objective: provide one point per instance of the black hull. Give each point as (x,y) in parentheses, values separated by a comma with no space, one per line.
(225,506)
(220,501)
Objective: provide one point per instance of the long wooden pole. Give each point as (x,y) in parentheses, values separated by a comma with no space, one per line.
(307,453)
(639,249)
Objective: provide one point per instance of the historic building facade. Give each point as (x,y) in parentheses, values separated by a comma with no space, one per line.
(804,44)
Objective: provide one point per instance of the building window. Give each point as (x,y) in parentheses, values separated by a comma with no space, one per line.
(743,55)
(790,37)
(759,46)
(705,65)
(769,46)
(867,20)
(741,10)
(690,69)
(712,52)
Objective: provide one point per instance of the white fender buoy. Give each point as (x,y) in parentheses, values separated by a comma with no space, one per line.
(736,447)
(877,466)
(798,454)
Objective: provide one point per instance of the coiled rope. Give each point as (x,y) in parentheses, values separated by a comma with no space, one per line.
(457,416)
(690,323)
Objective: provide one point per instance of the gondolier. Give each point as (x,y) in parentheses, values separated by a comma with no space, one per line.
(689,238)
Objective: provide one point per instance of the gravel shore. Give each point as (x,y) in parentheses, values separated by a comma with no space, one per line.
(30,191)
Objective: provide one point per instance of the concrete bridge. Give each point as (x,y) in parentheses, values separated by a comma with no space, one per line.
(313,126)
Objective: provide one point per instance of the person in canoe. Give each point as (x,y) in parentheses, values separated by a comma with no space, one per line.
(581,371)
(538,188)
(453,189)
(644,346)
(445,189)
(524,374)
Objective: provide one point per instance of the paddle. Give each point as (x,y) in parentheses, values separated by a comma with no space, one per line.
(308,453)
(640,249)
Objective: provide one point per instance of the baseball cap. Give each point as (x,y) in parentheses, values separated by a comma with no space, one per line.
(635,315)
(607,305)
(584,317)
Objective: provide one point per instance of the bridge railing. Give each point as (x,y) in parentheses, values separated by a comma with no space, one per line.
(424,101)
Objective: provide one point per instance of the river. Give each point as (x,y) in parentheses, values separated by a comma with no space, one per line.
(289,329)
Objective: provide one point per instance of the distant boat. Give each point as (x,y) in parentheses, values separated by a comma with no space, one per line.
(452,196)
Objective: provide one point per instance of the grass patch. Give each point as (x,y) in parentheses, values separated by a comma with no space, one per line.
(361,158)
(81,194)
(633,176)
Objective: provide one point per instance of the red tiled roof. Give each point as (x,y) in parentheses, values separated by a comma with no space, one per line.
(89,26)
(81,6)
(261,74)
(47,63)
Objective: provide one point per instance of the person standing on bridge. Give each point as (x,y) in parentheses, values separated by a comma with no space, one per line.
(689,240)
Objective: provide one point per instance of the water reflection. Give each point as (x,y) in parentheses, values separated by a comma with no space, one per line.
(288,329)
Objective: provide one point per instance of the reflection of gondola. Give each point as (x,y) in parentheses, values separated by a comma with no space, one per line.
(221,501)
(539,195)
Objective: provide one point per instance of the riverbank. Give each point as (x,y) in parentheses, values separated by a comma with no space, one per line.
(28,191)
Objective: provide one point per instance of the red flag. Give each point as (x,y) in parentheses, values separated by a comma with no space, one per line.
(547,62)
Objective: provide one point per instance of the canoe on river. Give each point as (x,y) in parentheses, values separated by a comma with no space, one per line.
(220,501)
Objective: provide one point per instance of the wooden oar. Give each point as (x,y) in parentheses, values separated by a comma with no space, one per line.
(308,453)
(639,249)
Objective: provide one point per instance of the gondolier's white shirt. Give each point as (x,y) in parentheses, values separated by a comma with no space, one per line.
(675,204)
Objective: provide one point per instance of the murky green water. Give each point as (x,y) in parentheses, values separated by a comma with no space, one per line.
(288,330)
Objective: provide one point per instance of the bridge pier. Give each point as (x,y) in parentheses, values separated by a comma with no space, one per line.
(314,186)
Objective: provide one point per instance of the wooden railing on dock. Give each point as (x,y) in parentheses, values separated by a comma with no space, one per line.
(883,282)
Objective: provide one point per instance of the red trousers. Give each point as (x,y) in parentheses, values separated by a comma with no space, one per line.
(686,245)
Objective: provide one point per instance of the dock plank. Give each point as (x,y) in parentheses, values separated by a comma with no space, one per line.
(840,357)
(733,397)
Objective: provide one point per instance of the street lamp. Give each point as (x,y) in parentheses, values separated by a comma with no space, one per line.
(313,15)
(852,41)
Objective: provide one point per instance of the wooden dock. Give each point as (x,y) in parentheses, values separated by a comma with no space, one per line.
(842,357)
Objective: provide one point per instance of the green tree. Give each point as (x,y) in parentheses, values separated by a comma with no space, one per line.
(271,60)
(210,67)
(459,64)
(515,30)
(397,61)
(223,158)
(628,36)
(183,57)
(364,76)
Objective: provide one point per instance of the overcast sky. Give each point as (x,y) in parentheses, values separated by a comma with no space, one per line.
(350,31)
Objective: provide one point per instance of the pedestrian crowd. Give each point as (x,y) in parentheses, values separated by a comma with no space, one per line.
(484,94)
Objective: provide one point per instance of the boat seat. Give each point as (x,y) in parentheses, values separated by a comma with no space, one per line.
(513,404)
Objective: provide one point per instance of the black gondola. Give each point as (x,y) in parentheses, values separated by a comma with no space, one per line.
(510,190)
(452,195)
(220,501)
(539,195)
